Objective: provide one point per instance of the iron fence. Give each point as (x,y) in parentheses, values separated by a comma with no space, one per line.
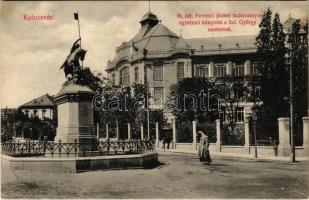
(268,142)
(54,149)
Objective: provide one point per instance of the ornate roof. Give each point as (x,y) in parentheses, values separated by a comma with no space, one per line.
(149,16)
(288,24)
(158,41)
(42,101)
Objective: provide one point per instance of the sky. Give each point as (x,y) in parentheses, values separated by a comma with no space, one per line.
(32,51)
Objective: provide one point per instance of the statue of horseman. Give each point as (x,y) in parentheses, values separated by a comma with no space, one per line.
(72,63)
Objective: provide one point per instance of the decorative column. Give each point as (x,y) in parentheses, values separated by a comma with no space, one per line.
(174,134)
(284,136)
(247,134)
(142,132)
(157,134)
(129,131)
(306,135)
(211,70)
(247,68)
(229,68)
(218,131)
(194,134)
(107,132)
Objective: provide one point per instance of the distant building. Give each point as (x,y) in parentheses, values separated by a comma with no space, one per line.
(41,107)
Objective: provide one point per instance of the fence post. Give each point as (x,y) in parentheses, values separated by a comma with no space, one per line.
(247,135)
(117,131)
(174,133)
(284,136)
(98,132)
(108,146)
(107,132)
(129,131)
(306,135)
(194,134)
(59,148)
(218,131)
(157,134)
(142,132)
(75,147)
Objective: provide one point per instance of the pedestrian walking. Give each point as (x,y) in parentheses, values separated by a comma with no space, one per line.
(203,151)
(164,141)
(168,141)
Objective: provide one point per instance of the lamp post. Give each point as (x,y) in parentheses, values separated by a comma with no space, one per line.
(289,57)
(254,117)
(291,113)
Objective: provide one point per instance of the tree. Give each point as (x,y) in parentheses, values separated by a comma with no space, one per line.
(87,77)
(188,100)
(273,74)
(231,92)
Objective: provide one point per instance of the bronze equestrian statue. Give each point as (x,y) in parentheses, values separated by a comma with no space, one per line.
(71,65)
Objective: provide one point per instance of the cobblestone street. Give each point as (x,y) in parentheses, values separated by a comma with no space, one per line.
(178,176)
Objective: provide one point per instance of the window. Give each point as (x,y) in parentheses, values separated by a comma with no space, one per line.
(220,70)
(43,113)
(238,70)
(180,70)
(113,79)
(158,95)
(239,114)
(202,70)
(27,113)
(125,76)
(255,69)
(158,73)
(35,112)
(136,74)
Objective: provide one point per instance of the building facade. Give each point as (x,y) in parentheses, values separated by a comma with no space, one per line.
(158,57)
(41,107)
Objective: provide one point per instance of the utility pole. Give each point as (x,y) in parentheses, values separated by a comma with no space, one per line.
(147,101)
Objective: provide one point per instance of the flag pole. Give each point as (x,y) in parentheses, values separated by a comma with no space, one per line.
(79,30)
(77,18)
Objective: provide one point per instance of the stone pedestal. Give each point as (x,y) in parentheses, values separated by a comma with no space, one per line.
(157,134)
(194,134)
(218,131)
(142,132)
(75,114)
(174,134)
(284,137)
(129,131)
(247,135)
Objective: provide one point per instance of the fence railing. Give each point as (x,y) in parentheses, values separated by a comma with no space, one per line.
(269,142)
(54,149)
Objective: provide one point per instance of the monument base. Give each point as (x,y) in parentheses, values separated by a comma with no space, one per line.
(75,114)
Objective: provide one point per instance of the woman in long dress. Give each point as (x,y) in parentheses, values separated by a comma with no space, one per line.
(203,151)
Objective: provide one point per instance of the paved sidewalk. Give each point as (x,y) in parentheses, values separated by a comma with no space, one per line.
(236,155)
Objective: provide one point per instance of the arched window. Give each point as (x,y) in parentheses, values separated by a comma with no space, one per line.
(125,76)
